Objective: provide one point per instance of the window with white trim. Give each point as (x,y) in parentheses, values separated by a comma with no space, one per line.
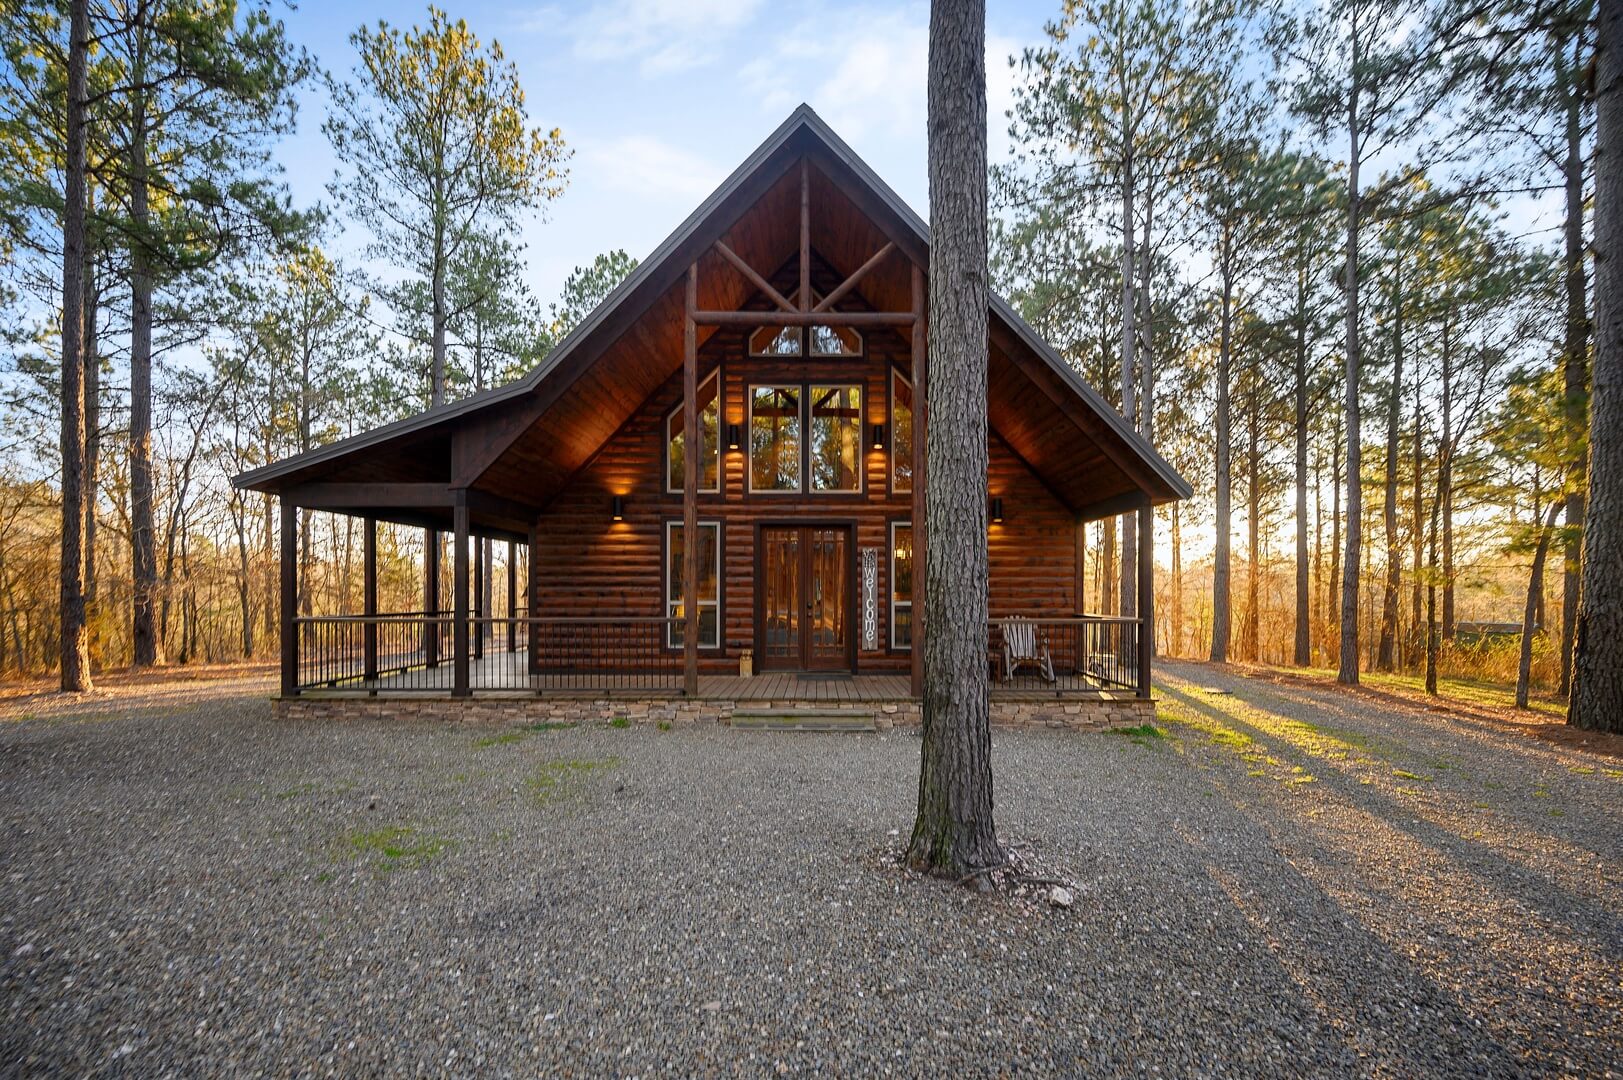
(901,433)
(709,584)
(901,585)
(709,400)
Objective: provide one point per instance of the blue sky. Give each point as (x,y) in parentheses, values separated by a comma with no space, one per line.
(661,99)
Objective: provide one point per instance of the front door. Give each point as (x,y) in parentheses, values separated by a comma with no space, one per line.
(803,596)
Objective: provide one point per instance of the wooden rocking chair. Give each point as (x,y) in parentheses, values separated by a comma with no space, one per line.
(1021,645)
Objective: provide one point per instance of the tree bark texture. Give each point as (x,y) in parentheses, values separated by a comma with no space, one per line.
(146,636)
(1385,656)
(75,645)
(1352,563)
(954,832)
(1575,366)
(1302,654)
(1596,702)
(1221,558)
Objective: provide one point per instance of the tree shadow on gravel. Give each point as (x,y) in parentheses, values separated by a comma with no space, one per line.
(1493,873)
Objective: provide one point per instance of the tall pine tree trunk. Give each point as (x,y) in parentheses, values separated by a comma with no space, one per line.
(1575,364)
(1385,658)
(954,833)
(1302,653)
(1596,702)
(1347,670)
(1221,559)
(1129,379)
(75,656)
(1535,589)
(92,475)
(146,634)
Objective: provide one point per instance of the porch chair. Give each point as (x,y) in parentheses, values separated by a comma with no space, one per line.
(1021,645)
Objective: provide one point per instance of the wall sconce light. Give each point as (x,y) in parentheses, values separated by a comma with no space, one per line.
(732,436)
(617,509)
(879,436)
(997,510)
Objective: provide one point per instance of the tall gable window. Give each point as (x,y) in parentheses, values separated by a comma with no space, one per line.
(709,536)
(901,439)
(709,440)
(821,341)
(805,437)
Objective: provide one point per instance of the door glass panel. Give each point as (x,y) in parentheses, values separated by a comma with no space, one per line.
(775,438)
(836,438)
(827,588)
(780,598)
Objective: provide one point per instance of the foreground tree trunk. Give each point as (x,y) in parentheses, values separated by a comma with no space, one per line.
(1221,564)
(146,634)
(1575,361)
(1352,563)
(954,833)
(1386,652)
(1597,657)
(75,656)
(1302,654)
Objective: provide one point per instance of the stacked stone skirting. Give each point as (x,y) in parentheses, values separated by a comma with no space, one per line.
(1088,715)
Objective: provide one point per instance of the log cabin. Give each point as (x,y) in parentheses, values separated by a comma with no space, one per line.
(737,433)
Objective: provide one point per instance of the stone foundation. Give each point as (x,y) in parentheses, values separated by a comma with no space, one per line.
(1078,715)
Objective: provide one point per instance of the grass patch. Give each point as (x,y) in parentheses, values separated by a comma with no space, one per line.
(1143,734)
(299,790)
(550,725)
(620,722)
(396,847)
(1405,774)
(555,779)
(506,738)
(663,725)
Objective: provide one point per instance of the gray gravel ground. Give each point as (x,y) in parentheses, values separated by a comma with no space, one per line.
(1286,883)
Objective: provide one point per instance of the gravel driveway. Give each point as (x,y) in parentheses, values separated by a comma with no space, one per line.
(1282,882)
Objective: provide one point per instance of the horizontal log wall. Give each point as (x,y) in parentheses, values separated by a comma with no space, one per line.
(590,565)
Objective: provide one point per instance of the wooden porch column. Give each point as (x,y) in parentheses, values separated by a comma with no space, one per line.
(290,599)
(1081,535)
(431,597)
(921,352)
(690,488)
(532,596)
(480,550)
(1146,595)
(369,597)
(512,596)
(459,593)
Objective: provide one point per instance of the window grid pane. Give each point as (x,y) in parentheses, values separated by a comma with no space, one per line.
(775,438)
(836,438)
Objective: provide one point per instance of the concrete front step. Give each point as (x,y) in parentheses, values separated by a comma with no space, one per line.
(804,719)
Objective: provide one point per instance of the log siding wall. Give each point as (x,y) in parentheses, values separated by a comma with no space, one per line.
(588,565)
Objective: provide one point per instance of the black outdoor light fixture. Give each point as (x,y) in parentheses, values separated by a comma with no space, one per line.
(617,509)
(997,510)
(879,436)
(732,436)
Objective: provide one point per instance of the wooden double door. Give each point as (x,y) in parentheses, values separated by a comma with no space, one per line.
(805,598)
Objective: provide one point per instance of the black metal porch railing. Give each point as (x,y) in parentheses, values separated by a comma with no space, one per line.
(416,652)
(1087,652)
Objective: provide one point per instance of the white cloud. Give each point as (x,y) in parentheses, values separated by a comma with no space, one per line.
(660,36)
(648,166)
(867,70)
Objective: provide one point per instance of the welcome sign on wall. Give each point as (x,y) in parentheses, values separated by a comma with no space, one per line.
(869,571)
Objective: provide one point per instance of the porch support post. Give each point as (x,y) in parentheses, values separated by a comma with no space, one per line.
(512,596)
(481,548)
(369,598)
(290,599)
(690,487)
(1146,595)
(1080,530)
(921,350)
(459,592)
(532,597)
(431,597)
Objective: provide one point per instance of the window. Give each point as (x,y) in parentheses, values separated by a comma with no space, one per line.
(835,434)
(901,585)
(774,438)
(709,439)
(805,438)
(709,583)
(814,341)
(901,433)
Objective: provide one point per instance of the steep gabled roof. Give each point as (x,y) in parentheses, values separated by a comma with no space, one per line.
(1062,389)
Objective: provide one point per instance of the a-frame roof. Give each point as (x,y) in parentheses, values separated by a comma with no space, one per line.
(557,415)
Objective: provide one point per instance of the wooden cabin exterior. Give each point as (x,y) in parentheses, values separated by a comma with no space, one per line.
(782,330)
